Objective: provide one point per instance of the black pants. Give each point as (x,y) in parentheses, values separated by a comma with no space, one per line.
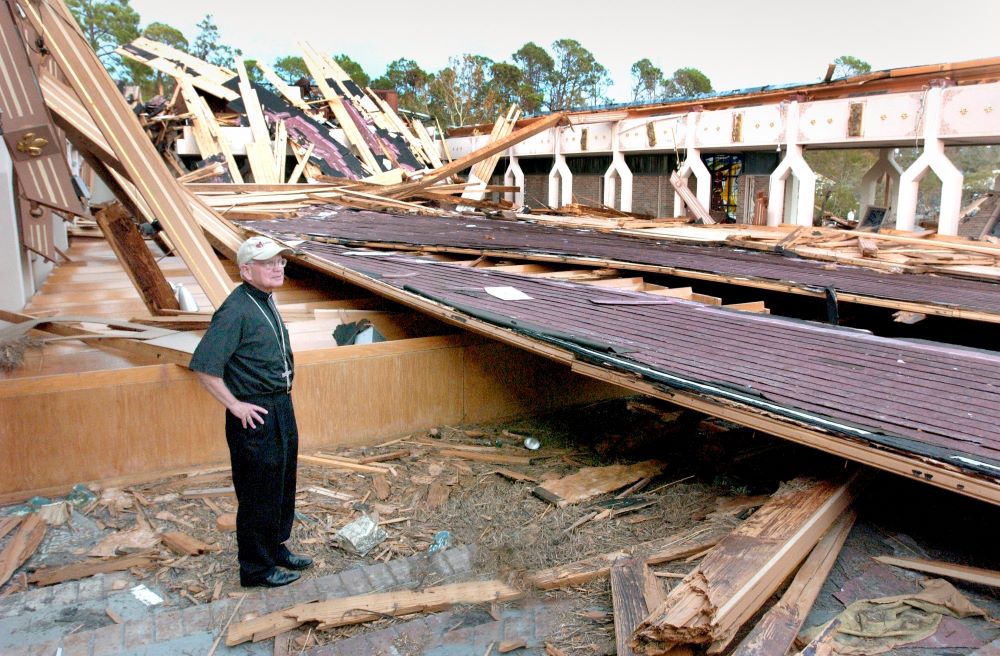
(264,461)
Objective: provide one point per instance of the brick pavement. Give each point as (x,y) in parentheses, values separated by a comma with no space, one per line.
(166,630)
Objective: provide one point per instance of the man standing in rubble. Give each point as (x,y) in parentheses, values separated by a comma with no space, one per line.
(245,362)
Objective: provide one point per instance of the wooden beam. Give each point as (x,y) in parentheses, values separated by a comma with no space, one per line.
(978,575)
(540,125)
(662,550)
(75,571)
(631,582)
(21,547)
(738,574)
(138,262)
(368,607)
(131,145)
(776,631)
(592,481)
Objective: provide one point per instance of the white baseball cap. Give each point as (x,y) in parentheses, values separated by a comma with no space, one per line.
(259,248)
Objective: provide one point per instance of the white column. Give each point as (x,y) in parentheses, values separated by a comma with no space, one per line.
(514,176)
(793,164)
(887,167)
(14,269)
(932,159)
(618,166)
(560,170)
(693,164)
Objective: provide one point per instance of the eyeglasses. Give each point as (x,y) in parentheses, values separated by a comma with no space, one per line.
(276,263)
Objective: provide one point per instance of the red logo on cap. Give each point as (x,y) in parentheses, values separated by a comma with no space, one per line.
(260,244)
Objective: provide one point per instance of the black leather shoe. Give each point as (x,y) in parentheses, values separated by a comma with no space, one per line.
(295,561)
(275,579)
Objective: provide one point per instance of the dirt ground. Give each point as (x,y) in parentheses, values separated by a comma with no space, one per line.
(708,465)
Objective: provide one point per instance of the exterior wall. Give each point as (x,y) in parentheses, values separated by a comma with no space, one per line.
(587,189)
(536,191)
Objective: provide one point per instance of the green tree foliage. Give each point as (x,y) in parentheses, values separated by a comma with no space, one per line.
(536,65)
(848,66)
(208,45)
(353,69)
(406,78)
(647,81)
(508,84)
(577,78)
(686,83)
(154,82)
(107,24)
(291,68)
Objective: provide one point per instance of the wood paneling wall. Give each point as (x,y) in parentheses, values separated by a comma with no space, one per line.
(56,431)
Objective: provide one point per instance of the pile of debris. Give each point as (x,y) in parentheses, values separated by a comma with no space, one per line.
(639,557)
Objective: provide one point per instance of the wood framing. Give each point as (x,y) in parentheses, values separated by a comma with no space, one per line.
(776,631)
(136,259)
(739,573)
(136,154)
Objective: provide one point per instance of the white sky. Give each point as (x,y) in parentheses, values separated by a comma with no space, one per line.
(736,44)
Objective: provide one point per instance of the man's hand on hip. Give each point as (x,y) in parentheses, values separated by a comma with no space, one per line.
(248,413)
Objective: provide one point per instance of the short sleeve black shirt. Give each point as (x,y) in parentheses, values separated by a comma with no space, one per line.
(246,345)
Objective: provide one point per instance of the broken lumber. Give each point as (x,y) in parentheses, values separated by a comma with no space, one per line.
(407,189)
(592,481)
(653,552)
(776,631)
(53,575)
(480,456)
(634,590)
(341,463)
(978,575)
(368,607)
(183,544)
(21,547)
(133,150)
(738,575)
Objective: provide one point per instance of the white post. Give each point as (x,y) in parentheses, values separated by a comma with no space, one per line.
(514,176)
(793,164)
(693,164)
(561,171)
(14,271)
(618,166)
(885,166)
(932,159)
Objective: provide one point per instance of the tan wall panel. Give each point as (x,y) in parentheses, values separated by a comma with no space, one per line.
(56,431)
(504,381)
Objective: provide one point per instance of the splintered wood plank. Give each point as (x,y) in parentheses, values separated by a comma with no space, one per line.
(138,262)
(485,456)
(368,607)
(132,148)
(21,547)
(8,524)
(53,575)
(183,544)
(662,550)
(592,481)
(630,580)
(776,631)
(978,575)
(738,575)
